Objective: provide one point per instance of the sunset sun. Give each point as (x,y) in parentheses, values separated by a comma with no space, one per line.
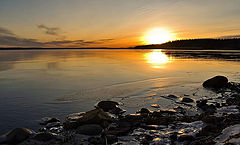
(158,36)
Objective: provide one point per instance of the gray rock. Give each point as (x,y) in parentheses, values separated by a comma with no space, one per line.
(96,140)
(107,105)
(45,136)
(144,142)
(18,135)
(143,110)
(234,100)
(216,82)
(186,100)
(172,96)
(2,139)
(185,137)
(53,124)
(123,128)
(111,139)
(96,116)
(90,129)
(117,111)
(228,133)
(155,105)
(47,120)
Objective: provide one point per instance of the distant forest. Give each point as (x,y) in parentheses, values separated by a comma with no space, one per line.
(229,44)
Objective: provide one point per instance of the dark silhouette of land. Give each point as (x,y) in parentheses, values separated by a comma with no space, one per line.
(216,44)
(190,44)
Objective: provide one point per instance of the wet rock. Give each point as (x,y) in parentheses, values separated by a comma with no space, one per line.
(75,116)
(144,142)
(96,140)
(216,82)
(153,127)
(210,109)
(186,100)
(185,138)
(144,110)
(180,109)
(210,119)
(122,128)
(71,120)
(107,105)
(56,129)
(155,105)
(133,117)
(148,137)
(96,116)
(157,114)
(172,96)
(104,124)
(47,120)
(18,135)
(227,110)
(173,136)
(90,129)
(163,120)
(111,139)
(234,86)
(45,136)
(53,124)
(210,128)
(2,139)
(189,128)
(117,111)
(206,140)
(234,100)
(207,131)
(201,103)
(228,134)
(168,111)
(231,119)
(218,105)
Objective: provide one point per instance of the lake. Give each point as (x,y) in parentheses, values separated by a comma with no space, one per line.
(54,83)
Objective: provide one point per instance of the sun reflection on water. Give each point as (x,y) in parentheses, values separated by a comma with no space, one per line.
(157,59)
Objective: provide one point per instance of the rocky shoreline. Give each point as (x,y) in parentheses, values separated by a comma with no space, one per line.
(215,123)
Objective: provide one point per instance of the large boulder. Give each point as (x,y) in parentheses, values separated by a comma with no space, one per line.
(18,135)
(216,82)
(89,129)
(111,107)
(96,116)
(107,105)
(45,136)
(186,100)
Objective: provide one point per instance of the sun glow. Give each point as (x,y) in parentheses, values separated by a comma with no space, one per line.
(158,36)
(157,59)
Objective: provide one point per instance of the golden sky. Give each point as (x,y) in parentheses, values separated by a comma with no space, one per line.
(114,23)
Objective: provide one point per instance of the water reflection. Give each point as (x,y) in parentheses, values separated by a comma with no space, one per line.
(157,59)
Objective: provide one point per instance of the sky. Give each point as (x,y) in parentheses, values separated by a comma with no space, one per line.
(113,23)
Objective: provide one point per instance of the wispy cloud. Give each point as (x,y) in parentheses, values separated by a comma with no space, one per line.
(49,30)
(78,42)
(4,31)
(7,38)
(22,42)
(230,37)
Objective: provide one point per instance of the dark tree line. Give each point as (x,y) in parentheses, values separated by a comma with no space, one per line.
(198,44)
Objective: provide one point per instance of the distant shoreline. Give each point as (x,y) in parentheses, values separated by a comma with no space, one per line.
(191,44)
(172,48)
